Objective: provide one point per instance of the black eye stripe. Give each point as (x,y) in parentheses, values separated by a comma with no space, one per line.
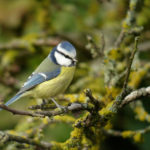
(66,56)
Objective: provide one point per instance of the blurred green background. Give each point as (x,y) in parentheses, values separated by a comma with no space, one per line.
(23,22)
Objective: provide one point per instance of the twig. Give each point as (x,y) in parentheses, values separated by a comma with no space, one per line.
(123,93)
(102,43)
(19,112)
(20,139)
(97,103)
(128,23)
(120,38)
(94,48)
(135,31)
(130,64)
(135,95)
(42,107)
(119,133)
(124,89)
(72,107)
(22,44)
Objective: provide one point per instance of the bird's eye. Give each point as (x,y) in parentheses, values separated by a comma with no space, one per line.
(67,56)
(64,55)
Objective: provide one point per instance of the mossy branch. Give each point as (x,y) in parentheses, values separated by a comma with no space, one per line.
(129,65)
(135,95)
(5,137)
(128,25)
(57,111)
(136,135)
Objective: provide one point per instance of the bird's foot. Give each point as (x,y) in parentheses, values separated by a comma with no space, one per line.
(59,106)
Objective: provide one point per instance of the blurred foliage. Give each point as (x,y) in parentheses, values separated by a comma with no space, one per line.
(24,23)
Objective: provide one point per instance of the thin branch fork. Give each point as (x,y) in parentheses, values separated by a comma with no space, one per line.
(135,31)
(98,104)
(130,22)
(124,89)
(72,107)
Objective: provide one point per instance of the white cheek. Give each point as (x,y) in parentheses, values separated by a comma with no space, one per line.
(62,60)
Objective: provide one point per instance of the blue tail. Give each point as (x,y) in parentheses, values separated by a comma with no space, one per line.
(12,100)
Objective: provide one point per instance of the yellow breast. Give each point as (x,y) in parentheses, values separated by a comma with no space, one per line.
(55,86)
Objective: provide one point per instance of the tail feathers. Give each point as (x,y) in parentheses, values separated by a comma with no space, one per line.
(13,99)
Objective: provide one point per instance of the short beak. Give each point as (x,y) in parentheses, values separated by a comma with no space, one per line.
(75,60)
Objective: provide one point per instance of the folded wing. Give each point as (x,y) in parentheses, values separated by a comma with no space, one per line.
(37,78)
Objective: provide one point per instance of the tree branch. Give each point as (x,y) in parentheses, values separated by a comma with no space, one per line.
(111,132)
(130,64)
(19,112)
(66,109)
(123,93)
(22,44)
(128,23)
(9,137)
(135,95)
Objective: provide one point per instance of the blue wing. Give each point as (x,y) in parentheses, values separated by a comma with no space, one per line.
(38,78)
(33,80)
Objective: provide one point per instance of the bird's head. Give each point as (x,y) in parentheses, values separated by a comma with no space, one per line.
(64,54)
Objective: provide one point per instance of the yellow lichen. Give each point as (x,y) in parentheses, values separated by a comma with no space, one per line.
(76,133)
(138,137)
(141,113)
(74,141)
(57,146)
(86,141)
(46,120)
(112,92)
(76,97)
(125,25)
(95,147)
(127,134)
(82,97)
(9,57)
(114,54)
(12,132)
(136,76)
(107,110)
(29,131)
(108,125)
(64,118)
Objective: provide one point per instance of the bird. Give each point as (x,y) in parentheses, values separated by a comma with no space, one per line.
(52,76)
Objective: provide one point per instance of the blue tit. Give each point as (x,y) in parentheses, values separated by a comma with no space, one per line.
(52,76)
